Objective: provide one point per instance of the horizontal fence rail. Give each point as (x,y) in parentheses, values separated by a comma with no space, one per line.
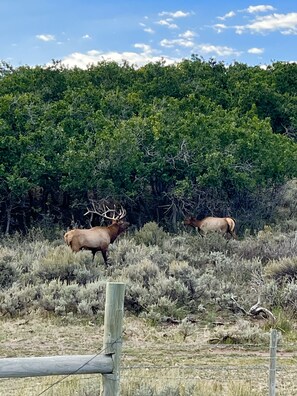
(55,365)
(107,362)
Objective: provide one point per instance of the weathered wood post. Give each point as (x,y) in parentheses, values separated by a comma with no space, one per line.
(272,365)
(112,341)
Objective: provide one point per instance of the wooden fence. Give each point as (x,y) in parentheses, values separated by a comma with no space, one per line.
(107,363)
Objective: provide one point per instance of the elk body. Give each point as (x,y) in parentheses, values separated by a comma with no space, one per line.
(224,225)
(97,239)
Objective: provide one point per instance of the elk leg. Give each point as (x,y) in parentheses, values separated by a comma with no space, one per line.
(104,254)
(93,252)
(233,234)
(201,233)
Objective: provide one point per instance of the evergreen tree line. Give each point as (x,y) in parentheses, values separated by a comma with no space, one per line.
(196,137)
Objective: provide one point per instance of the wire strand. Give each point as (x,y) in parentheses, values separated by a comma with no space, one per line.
(75,371)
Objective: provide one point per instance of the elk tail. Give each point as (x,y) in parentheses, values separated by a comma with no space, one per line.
(231,223)
(231,226)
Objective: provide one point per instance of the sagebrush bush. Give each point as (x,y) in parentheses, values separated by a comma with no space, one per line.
(143,273)
(283,270)
(288,297)
(60,263)
(164,308)
(267,246)
(173,289)
(243,332)
(286,209)
(62,299)
(18,300)
(164,274)
(150,234)
(7,273)
(138,298)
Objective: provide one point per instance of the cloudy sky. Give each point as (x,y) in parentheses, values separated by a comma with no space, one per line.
(80,32)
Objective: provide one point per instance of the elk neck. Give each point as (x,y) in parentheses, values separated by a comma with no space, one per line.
(113,230)
(195,223)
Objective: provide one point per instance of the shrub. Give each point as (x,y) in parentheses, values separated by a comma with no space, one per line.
(289,297)
(282,270)
(61,263)
(286,210)
(63,299)
(150,234)
(165,307)
(144,273)
(7,273)
(267,246)
(138,298)
(18,300)
(242,332)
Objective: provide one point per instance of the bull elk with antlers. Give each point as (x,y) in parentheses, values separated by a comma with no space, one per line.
(98,238)
(224,225)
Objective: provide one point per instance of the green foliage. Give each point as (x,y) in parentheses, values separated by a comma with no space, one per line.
(197,136)
(150,234)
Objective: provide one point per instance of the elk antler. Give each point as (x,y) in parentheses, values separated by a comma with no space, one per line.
(103,211)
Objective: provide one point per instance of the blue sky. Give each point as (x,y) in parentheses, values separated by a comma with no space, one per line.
(80,32)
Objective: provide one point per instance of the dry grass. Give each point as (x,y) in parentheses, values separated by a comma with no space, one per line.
(155,360)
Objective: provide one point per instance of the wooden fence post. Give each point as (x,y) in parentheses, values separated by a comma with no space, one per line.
(112,341)
(272,364)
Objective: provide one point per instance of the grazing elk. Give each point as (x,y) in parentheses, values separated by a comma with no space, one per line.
(98,238)
(224,225)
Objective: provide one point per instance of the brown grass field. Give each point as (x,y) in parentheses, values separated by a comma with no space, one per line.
(155,360)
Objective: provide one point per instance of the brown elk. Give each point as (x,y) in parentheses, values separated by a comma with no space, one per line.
(97,239)
(224,225)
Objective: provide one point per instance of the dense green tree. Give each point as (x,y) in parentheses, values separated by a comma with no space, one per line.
(163,140)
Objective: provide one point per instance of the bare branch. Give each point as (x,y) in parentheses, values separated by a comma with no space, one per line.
(257,310)
(238,306)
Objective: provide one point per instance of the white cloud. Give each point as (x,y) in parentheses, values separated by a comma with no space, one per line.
(176,42)
(45,37)
(259,8)
(188,34)
(167,23)
(228,15)
(284,23)
(149,30)
(219,27)
(86,37)
(83,60)
(146,49)
(176,14)
(217,50)
(256,51)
